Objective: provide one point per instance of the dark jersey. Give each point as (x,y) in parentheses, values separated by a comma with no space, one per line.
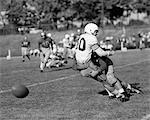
(25,43)
(97,60)
(46,43)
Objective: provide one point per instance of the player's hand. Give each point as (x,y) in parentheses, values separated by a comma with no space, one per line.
(111,53)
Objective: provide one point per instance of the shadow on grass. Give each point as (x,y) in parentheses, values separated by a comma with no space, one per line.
(128,93)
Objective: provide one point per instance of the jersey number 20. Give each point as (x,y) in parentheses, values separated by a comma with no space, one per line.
(82,44)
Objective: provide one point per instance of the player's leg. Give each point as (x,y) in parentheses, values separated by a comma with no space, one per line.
(23,53)
(47,53)
(49,63)
(128,87)
(65,54)
(113,81)
(41,60)
(92,69)
(98,74)
(28,53)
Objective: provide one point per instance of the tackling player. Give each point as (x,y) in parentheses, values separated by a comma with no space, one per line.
(88,44)
(25,46)
(111,76)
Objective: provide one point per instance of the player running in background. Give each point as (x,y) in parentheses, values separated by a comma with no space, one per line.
(53,47)
(25,47)
(44,45)
(88,44)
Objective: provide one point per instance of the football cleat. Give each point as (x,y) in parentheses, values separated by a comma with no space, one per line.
(135,90)
(123,97)
(112,96)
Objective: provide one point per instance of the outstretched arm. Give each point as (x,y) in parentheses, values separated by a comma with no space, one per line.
(96,48)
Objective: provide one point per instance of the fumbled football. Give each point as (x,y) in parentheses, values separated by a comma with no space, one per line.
(20,91)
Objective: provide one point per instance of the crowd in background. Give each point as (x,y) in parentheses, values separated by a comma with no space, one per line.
(67,45)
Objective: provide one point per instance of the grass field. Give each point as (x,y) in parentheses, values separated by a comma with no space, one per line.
(62,94)
(13,42)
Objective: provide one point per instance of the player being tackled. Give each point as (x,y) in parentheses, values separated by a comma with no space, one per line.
(87,44)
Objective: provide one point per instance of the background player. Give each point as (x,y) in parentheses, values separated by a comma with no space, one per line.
(25,47)
(44,46)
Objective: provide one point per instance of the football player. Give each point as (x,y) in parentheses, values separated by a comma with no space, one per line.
(111,76)
(52,42)
(88,44)
(66,46)
(54,61)
(25,47)
(36,52)
(44,46)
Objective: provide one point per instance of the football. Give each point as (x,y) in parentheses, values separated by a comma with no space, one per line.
(20,91)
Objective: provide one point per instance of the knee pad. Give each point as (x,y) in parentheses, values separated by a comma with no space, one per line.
(111,79)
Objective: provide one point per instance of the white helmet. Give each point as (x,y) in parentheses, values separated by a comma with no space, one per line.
(25,38)
(91,28)
(49,35)
(42,34)
(67,36)
(72,34)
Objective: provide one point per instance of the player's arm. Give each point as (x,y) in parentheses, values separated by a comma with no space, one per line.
(96,48)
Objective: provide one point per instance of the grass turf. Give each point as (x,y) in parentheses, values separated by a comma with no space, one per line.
(73,98)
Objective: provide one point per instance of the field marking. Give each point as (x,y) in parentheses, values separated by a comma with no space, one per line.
(146,117)
(70,76)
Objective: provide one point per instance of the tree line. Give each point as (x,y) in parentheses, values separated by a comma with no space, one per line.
(37,12)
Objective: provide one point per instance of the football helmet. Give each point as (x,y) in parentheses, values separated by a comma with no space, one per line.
(91,28)
(49,35)
(72,34)
(67,36)
(42,34)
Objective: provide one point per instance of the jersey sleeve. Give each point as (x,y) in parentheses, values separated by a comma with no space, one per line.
(94,43)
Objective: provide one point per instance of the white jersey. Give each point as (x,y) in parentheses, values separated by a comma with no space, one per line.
(84,48)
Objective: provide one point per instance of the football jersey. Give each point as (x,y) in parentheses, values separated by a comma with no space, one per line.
(25,43)
(84,47)
(46,43)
